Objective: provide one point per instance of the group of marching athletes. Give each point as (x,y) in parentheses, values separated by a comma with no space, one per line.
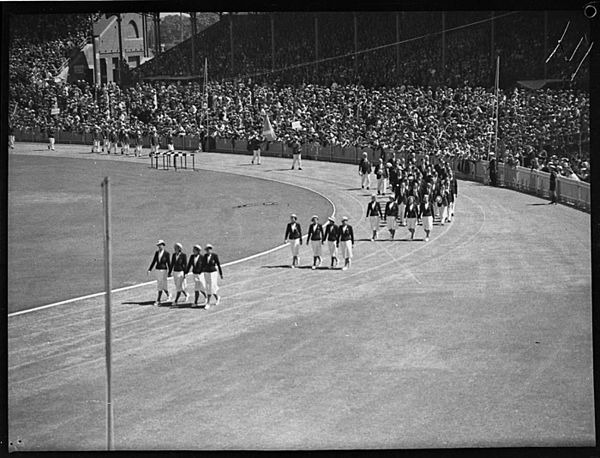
(420,194)
(338,237)
(204,268)
(108,138)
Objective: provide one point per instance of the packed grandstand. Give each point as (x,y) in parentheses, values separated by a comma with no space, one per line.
(348,78)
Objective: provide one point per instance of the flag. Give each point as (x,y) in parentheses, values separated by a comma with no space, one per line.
(268,131)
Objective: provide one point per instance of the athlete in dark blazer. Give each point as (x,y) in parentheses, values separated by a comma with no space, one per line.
(373,214)
(293,233)
(390,215)
(210,266)
(331,235)
(195,265)
(315,237)
(162,262)
(346,238)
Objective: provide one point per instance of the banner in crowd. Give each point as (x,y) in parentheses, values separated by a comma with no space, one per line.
(268,131)
(296,125)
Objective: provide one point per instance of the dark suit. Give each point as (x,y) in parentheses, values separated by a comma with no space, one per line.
(315,233)
(195,266)
(331,232)
(374,209)
(163,263)
(345,233)
(295,233)
(210,263)
(178,263)
(391,209)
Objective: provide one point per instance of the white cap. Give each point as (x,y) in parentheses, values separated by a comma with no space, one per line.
(160,242)
(293,215)
(314,217)
(332,219)
(208,245)
(179,245)
(198,247)
(345,218)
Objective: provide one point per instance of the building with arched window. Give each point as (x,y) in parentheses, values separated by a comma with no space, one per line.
(106,48)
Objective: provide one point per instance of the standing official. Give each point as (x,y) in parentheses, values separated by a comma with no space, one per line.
(411,214)
(364,170)
(112,141)
(293,233)
(210,265)
(315,235)
(51,139)
(296,152)
(195,265)
(179,268)
(254,145)
(154,141)
(345,242)
(163,264)
(427,212)
(391,214)
(331,235)
(374,214)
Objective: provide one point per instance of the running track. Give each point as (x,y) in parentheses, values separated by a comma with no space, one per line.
(480,337)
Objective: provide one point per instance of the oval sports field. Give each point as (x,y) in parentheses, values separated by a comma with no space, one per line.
(481,337)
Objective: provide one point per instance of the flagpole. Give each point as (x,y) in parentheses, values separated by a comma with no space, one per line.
(107,312)
(497,102)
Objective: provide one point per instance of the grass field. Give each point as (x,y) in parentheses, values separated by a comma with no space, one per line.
(55,225)
(481,337)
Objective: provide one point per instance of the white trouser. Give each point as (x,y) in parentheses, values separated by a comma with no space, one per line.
(332,249)
(107,144)
(138,149)
(374,220)
(444,213)
(297,160)
(171,147)
(391,223)
(96,146)
(125,148)
(11,141)
(179,280)
(316,247)
(381,185)
(346,249)
(199,283)
(212,282)
(295,246)
(113,147)
(256,155)
(51,140)
(365,180)
(401,208)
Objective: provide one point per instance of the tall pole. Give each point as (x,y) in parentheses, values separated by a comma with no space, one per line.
(272,41)
(317,41)
(545,42)
(397,43)
(355,45)
(107,310)
(497,103)
(193,19)
(443,43)
(492,31)
(119,20)
(231,41)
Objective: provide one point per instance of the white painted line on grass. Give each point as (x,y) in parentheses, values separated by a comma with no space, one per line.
(227,264)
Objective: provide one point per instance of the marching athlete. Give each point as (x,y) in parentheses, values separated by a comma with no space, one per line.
(401,199)
(163,264)
(453,193)
(104,138)
(136,136)
(254,145)
(195,265)
(364,170)
(154,141)
(411,214)
(381,172)
(391,214)
(315,235)
(11,137)
(293,233)
(345,239)
(112,141)
(96,135)
(296,152)
(210,265)
(331,234)
(427,212)
(178,268)
(170,144)
(374,214)
(125,141)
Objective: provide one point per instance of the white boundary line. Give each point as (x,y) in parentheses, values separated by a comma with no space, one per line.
(248,258)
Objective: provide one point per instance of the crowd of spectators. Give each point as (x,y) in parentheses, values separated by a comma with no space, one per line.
(467,56)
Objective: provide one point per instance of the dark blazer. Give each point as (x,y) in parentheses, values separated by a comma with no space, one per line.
(179,264)
(426,211)
(364,166)
(295,234)
(163,263)
(195,268)
(315,234)
(412,212)
(374,209)
(454,186)
(345,233)
(331,232)
(391,209)
(211,264)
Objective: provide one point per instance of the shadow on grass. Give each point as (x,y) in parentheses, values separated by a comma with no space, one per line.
(138,303)
(285,266)
(545,203)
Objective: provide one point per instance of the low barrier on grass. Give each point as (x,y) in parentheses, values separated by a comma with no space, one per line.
(572,192)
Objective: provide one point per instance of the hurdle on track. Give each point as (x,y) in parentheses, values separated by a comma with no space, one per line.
(166,160)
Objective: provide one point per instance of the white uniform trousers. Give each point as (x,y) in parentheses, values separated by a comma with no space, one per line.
(374,220)
(411,223)
(11,141)
(333,252)
(346,249)
(295,246)
(316,247)
(401,208)
(391,223)
(199,283)
(256,156)
(427,223)
(161,276)
(212,282)
(443,213)
(179,280)
(381,185)
(51,141)
(365,180)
